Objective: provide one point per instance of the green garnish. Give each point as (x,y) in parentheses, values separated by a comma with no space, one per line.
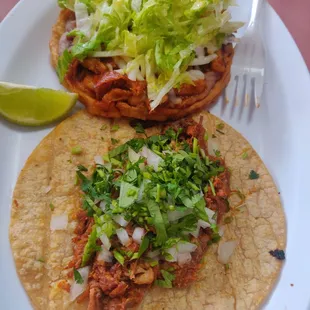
(245,155)
(115,127)
(139,128)
(52,207)
(217,153)
(103,127)
(144,194)
(76,150)
(81,168)
(253,175)
(168,278)
(41,260)
(220,126)
(144,245)
(119,257)
(77,277)
(114,141)
(90,247)
(212,188)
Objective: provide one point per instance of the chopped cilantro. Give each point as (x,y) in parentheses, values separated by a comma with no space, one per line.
(114,141)
(115,127)
(217,153)
(103,127)
(81,168)
(245,155)
(253,175)
(41,260)
(206,137)
(220,126)
(139,128)
(52,207)
(76,150)
(226,267)
(77,277)
(168,278)
(145,193)
(69,161)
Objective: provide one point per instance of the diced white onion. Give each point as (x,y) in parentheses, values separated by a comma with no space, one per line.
(47,189)
(173,98)
(105,241)
(203,224)
(200,51)
(176,215)
(184,258)
(105,255)
(138,234)
(211,216)
(225,250)
(98,160)
(212,146)
(103,205)
(196,75)
(203,60)
(174,254)
(132,155)
(119,219)
(221,230)
(122,236)
(59,222)
(151,158)
(153,254)
(186,247)
(76,288)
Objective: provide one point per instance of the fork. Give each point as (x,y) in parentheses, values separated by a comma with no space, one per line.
(248,66)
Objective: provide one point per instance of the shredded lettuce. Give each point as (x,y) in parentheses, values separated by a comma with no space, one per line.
(158,36)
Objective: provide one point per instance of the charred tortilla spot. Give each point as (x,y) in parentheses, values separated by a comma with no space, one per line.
(278,254)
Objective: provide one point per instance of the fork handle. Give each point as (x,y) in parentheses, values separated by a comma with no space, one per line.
(256,8)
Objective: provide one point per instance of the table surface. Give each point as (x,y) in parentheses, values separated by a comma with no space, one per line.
(295,14)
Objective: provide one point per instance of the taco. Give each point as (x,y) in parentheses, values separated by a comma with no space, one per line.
(155,60)
(106,215)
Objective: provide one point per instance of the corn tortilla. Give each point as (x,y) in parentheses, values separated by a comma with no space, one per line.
(41,256)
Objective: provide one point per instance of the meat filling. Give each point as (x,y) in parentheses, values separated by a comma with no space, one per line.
(112,285)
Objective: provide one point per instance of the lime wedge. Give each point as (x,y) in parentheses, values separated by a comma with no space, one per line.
(30,106)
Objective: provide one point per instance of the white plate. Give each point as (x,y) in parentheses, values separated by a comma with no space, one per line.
(279,131)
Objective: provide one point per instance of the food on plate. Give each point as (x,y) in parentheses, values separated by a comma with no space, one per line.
(109,214)
(153,59)
(31,106)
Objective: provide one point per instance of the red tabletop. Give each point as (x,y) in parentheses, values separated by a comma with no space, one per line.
(295,14)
